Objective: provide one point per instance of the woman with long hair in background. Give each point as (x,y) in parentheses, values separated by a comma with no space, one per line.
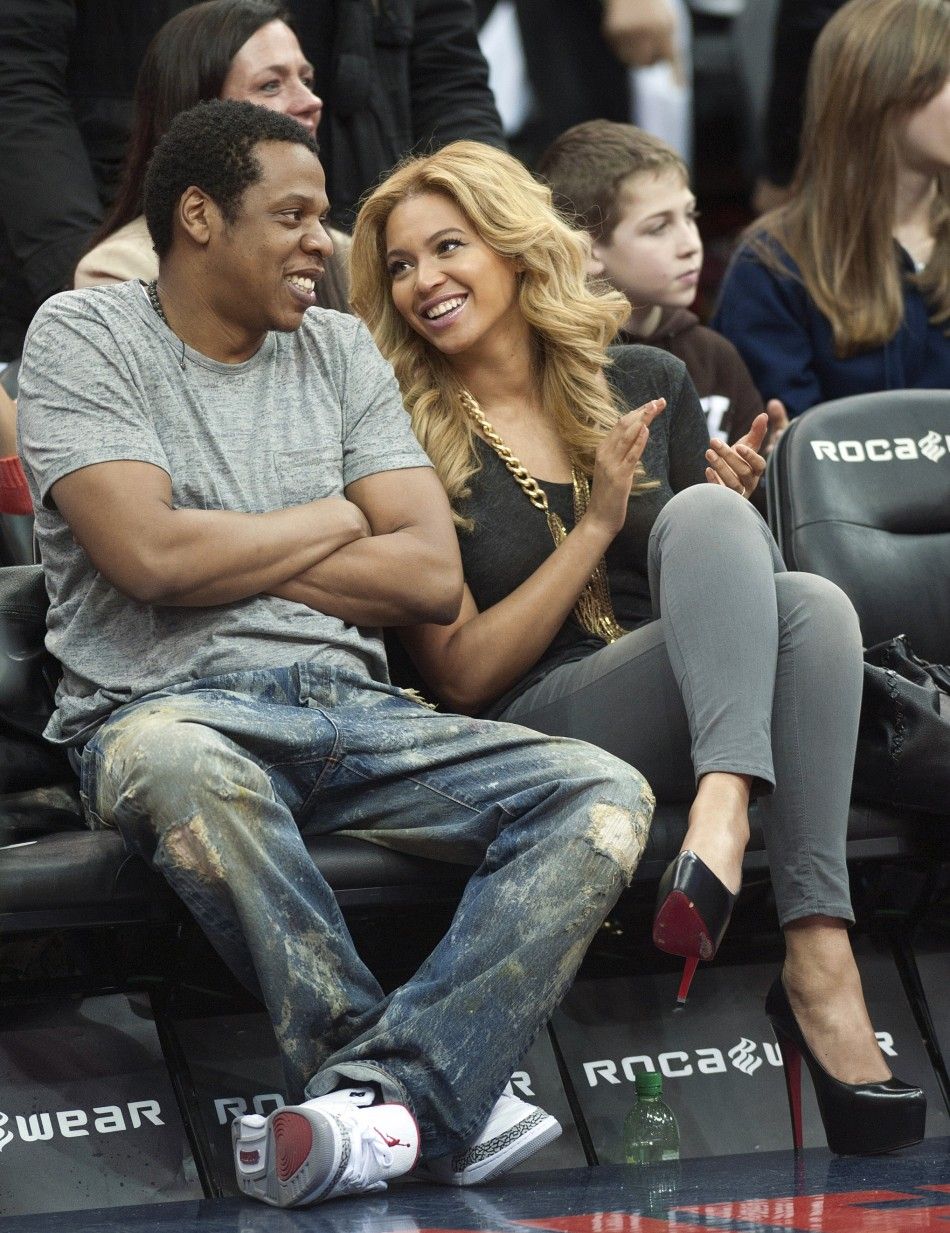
(845,289)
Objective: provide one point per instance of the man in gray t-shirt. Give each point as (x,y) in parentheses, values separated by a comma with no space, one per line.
(283,433)
(229,504)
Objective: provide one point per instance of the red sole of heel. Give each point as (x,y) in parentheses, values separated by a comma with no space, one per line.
(293,1139)
(689,971)
(678,929)
(792,1061)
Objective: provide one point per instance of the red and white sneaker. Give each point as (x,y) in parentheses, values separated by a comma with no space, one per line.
(334,1145)
(514,1131)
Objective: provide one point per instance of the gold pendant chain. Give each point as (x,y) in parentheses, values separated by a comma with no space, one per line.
(594,609)
(527,483)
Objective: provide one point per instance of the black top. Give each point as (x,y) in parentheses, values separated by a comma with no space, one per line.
(797,26)
(67,75)
(400,76)
(511,538)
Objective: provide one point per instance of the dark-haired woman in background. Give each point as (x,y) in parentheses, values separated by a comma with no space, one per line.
(846,288)
(230,49)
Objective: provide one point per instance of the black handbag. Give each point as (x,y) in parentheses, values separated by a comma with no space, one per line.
(903,755)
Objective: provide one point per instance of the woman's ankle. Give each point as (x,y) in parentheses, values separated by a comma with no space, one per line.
(824,990)
(718,829)
(818,956)
(723,798)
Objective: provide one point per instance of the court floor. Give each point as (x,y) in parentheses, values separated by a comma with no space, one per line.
(908,1192)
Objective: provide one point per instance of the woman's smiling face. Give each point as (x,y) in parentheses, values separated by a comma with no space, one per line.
(451,287)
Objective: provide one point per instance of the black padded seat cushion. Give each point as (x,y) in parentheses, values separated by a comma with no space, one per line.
(88,877)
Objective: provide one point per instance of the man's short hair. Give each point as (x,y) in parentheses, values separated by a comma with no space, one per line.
(587,166)
(211,147)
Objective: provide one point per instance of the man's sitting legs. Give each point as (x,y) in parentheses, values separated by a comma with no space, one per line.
(216,779)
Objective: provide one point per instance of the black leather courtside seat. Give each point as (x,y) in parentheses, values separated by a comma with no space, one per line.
(859,491)
(55,873)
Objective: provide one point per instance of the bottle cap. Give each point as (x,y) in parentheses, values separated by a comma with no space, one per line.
(649,1083)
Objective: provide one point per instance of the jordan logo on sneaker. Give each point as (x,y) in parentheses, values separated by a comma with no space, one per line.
(389,1141)
(250,1158)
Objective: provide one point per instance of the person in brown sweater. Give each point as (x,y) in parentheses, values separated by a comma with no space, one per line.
(630,192)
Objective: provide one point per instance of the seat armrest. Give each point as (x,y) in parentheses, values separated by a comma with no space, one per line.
(26,668)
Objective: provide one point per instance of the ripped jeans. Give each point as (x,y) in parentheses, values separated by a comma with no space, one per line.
(214,782)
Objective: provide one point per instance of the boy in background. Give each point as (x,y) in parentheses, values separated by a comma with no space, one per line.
(630,192)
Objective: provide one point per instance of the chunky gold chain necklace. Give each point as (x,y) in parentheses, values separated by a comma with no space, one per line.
(594,610)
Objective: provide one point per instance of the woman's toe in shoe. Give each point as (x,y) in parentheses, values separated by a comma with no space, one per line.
(873,1118)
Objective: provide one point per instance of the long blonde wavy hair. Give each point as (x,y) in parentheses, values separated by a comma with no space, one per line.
(874,64)
(571,322)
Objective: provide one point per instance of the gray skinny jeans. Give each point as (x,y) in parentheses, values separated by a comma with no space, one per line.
(749,669)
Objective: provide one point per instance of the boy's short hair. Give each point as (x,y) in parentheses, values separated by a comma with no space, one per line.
(587,165)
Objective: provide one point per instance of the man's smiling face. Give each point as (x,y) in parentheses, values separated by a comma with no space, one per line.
(262,267)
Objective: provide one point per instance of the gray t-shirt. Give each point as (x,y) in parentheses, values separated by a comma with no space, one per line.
(104,379)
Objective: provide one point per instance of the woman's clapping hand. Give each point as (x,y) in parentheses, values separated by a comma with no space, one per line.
(616,462)
(739,466)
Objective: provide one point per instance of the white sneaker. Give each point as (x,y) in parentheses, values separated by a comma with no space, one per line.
(514,1131)
(334,1145)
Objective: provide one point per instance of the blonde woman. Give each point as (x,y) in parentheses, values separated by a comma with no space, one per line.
(846,288)
(620,587)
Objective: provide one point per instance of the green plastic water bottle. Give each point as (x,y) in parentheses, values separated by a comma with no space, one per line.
(650,1132)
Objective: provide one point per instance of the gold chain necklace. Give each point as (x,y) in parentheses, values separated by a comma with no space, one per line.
(594,610)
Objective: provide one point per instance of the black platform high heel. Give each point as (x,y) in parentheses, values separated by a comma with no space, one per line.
(860,1119)
(693,908)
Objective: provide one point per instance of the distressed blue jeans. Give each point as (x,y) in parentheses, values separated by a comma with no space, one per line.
(216,781)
